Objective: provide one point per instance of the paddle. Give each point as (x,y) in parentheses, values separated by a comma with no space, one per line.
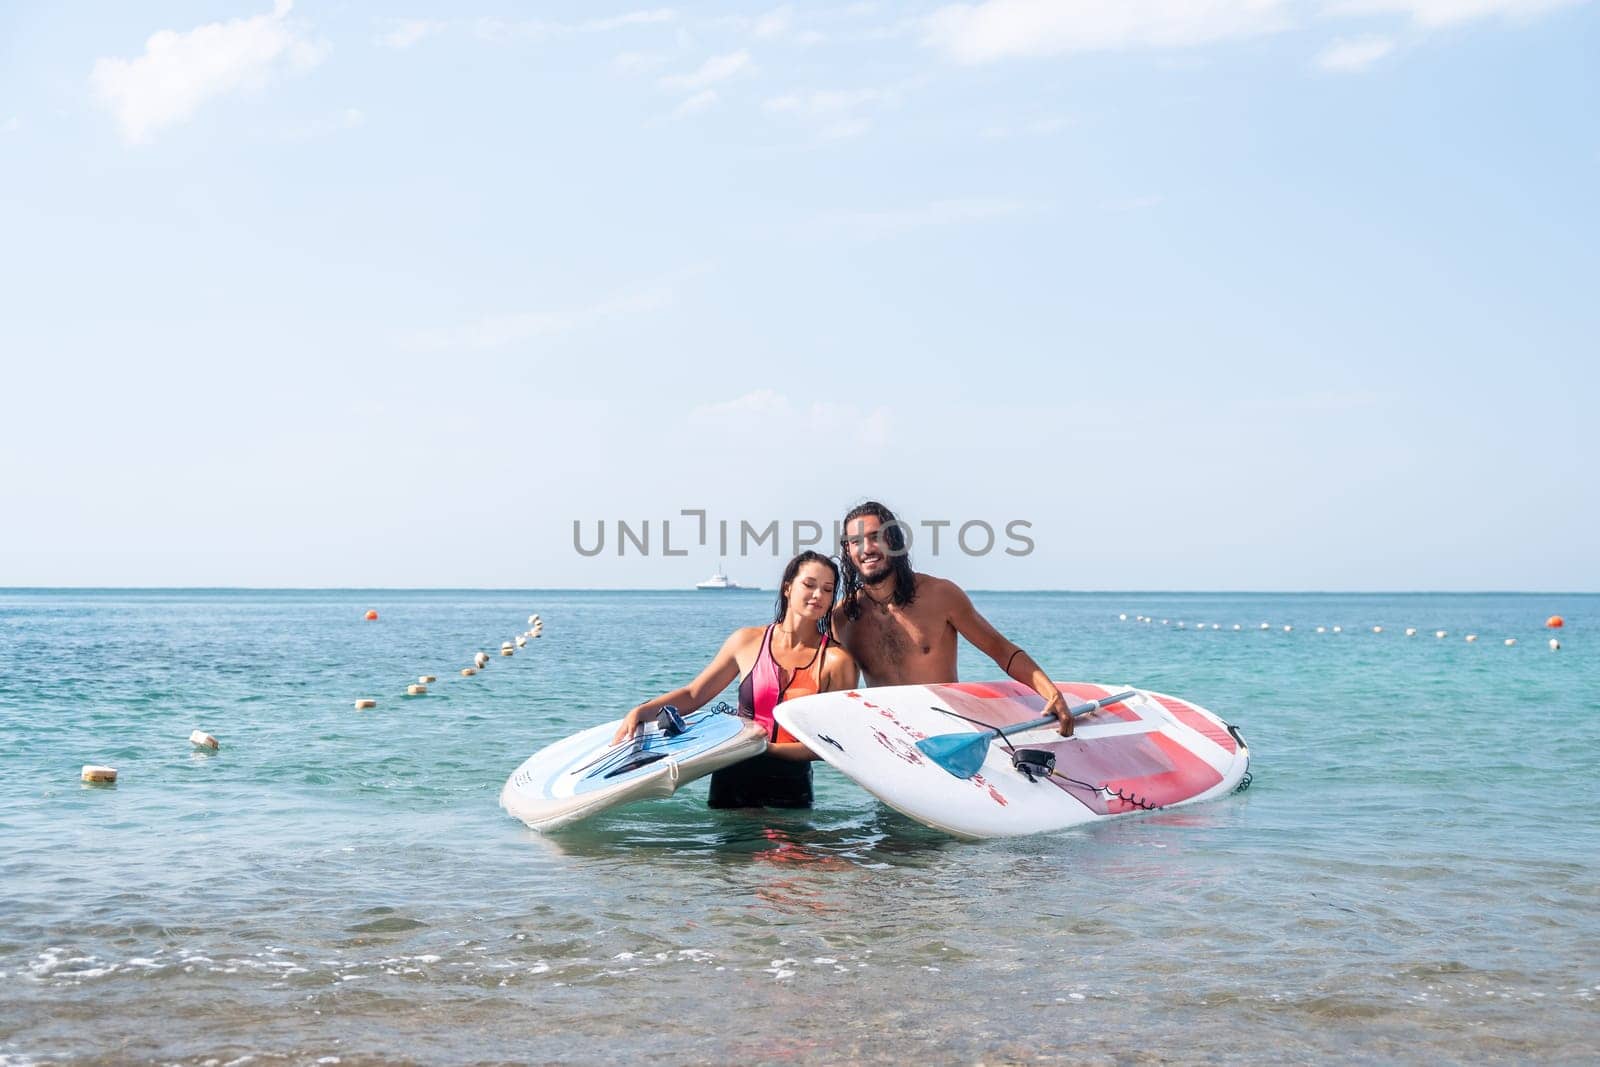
(963,754)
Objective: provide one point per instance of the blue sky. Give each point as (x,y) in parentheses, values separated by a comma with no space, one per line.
(1238,295)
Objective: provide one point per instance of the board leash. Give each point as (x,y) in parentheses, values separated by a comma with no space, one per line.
(1029,769)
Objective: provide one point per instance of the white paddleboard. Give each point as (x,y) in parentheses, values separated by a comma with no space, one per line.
(1149,752)
(586,774)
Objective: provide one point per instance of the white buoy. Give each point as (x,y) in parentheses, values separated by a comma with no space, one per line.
(1264,626)
(364,704)
(1472,637)
(1214,626)
(427,679)
(1440,633)
(1555,646)
(416,690)
(201,739)
(97,775)
(1236,626)
(1181,626)
(468,672)
(481,659)
(508,652)
(1123,617)
(522,642)
(1286,629)
(1338,629)
(1510,641)
(1411,631)
(1322,629)
(532,619)
(1163,622)
(1377,629)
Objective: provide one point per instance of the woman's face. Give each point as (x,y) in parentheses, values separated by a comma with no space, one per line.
(811,592)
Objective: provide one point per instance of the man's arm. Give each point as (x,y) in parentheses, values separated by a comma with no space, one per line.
(1017,664)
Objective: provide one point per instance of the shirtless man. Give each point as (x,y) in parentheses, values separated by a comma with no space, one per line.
(901,626)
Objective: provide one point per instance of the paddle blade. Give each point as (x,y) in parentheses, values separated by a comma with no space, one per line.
(960,754)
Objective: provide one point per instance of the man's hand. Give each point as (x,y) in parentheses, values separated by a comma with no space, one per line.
(1056,705)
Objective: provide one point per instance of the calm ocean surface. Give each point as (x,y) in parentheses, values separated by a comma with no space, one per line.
(1414,875)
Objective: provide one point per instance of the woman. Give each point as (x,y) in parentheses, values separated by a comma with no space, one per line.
(794,656)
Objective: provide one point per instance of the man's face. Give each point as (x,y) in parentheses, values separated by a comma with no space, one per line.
(864,540)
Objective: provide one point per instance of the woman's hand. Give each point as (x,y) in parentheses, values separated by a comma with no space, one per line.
(629,725)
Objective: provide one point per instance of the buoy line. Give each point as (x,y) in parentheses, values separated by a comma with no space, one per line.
(202,743)
(1554,622)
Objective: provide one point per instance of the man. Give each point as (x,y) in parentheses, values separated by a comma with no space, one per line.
(901,626)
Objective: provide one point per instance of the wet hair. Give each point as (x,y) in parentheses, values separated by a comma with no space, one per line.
(894,536)
(825,624)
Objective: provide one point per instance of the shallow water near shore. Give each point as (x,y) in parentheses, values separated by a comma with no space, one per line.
(1413,874)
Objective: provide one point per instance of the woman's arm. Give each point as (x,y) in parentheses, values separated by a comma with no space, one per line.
(839,671)
(723,668)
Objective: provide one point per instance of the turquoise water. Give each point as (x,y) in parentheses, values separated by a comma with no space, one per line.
(1412,876)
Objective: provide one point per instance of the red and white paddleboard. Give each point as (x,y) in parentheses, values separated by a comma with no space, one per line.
(1149,752)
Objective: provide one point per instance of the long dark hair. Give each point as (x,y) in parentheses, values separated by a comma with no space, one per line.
(825,624)
(894,536)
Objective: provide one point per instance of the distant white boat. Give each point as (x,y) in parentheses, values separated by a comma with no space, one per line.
(721,581)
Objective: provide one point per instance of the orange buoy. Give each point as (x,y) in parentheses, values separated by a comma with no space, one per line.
(372,616)
(1555,622)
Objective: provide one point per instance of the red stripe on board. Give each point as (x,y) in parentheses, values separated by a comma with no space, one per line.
(1083,692)
(1186,776)
(1198,721)
(1019,703)
(990,703)
(991,690)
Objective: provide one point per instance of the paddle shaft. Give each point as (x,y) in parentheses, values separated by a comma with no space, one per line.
(1077,711)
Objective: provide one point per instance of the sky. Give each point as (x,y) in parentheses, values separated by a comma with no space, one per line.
(1243,295)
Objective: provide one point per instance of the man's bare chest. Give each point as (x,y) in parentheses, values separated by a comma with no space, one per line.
(884,635)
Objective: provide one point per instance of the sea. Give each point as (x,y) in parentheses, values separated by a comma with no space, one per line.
(1413,875)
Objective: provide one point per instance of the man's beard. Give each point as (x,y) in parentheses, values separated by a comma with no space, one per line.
(884,567)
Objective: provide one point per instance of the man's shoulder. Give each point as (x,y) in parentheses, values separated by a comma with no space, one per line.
(936,588)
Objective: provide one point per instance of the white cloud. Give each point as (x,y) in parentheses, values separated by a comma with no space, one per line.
(837,113)
(634,63)
(1435,13)
(500,331)
(778,24)
(11,125)
(1003,29)
(695,104)
(714,70)
(179,71)
(774,23)
(403,33)
(827,102)
(493,29)
(654,16)
(1350,56)
(759,412)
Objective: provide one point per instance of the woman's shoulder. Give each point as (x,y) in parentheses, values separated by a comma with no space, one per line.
(745,635)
